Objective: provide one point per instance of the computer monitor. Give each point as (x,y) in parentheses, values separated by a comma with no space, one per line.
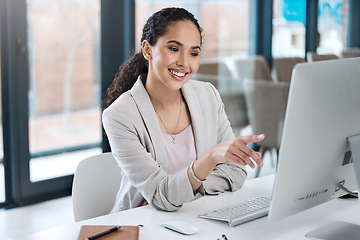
(323,111)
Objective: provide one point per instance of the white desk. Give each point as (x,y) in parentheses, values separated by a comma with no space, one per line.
(293,227)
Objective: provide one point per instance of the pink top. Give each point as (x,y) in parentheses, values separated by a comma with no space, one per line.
(183,152)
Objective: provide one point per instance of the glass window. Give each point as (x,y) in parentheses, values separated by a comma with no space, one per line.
(223,35)
(225,27)
(64,93)
(2,175)
(332,19)
(289,18)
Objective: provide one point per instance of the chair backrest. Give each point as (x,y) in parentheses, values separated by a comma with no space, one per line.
(350,53)
(214,67)
(232,96)
(235,108)
(314,57)
(253,67)
(266,103)
(283,67)
(215,71)
(96,182)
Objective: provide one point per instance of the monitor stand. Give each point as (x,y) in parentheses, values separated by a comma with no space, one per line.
(355,152)
(342,230)
(336,231)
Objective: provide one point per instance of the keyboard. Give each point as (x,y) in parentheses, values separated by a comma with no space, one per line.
(240,213)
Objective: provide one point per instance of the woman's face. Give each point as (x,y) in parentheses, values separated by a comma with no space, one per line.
(175,57)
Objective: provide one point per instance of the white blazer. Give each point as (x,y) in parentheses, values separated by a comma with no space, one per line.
(136,142)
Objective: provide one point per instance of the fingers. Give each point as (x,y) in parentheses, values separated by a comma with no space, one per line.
(240,157)
(238,151)
(244,160)
(252,138)
(245,155)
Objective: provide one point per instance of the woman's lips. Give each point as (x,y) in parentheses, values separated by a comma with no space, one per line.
(178,74)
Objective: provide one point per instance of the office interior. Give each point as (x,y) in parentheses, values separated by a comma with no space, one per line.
(58,58)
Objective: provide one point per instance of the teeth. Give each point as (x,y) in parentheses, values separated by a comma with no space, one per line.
(177,73)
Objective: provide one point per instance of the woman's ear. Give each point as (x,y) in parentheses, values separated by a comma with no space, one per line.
(146,50)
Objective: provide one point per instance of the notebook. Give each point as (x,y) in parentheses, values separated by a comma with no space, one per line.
(125,232)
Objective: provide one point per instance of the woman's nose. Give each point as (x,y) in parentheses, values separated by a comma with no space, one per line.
(182,60)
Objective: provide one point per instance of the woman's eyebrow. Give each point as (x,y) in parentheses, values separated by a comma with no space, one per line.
(180,44)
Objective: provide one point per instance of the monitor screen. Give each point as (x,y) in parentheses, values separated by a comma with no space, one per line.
(323,111)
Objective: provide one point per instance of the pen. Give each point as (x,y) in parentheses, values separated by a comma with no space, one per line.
(103,233)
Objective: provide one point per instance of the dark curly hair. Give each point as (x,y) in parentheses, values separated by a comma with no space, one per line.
(137,65)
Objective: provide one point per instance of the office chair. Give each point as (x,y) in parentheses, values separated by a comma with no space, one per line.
(350,53)
(313,57)
(96,182)
(235,107)
(266,103)
(214,67)
(253,67)
(213,71)
(283,67)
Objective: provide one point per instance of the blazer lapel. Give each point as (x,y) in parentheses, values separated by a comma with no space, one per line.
(146,109)
(197,119)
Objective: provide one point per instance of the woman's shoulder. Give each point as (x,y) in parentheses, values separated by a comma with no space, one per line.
(123,105)
(123,99)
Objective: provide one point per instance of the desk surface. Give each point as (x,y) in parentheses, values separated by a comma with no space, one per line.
(294,227)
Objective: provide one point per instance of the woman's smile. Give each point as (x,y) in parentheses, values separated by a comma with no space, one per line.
(178,74)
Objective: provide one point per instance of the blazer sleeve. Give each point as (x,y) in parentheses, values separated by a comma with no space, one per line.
(227,176)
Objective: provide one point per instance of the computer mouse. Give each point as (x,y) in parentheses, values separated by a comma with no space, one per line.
(181,226)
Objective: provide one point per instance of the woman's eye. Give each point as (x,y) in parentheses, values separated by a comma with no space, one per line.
(174,49)
(194,54)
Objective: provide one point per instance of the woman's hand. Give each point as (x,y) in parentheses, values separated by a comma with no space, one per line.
(237,151)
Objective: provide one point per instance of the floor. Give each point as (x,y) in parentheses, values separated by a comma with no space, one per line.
(24,220)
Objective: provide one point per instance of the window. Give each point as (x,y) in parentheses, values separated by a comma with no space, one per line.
(64,95)
(2,172)
(289,18)
(332,26)
(223,36)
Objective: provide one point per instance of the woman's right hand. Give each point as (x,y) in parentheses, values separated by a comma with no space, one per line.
(238,151)
(235,150)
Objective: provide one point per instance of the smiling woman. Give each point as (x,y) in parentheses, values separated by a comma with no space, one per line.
(168,133)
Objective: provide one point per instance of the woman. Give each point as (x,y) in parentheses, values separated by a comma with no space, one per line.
(169,134)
